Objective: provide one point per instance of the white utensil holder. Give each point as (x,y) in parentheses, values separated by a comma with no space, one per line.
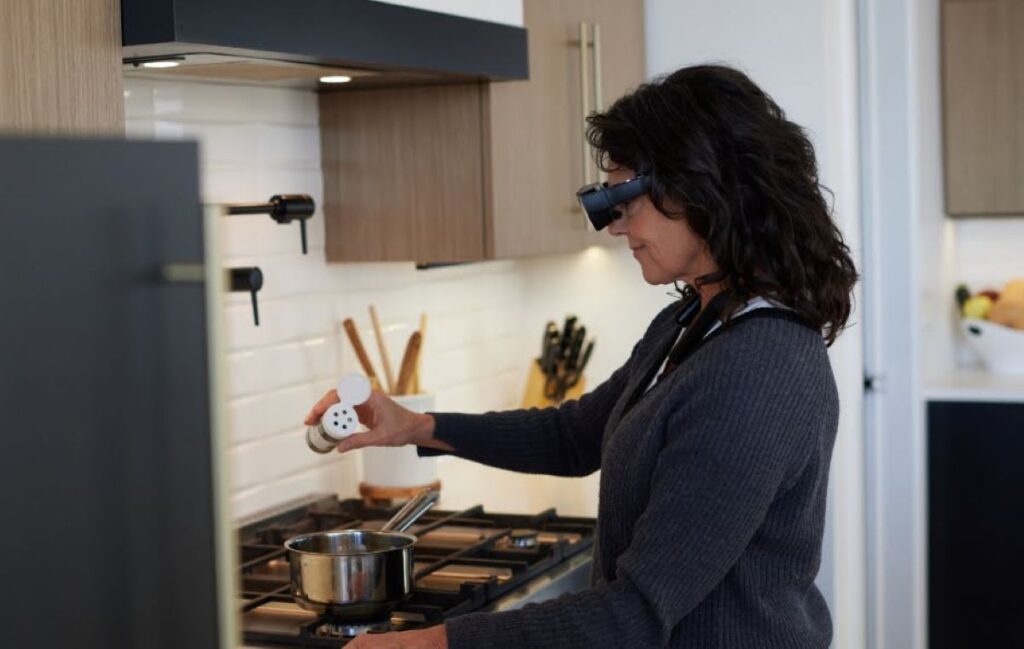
(398,472)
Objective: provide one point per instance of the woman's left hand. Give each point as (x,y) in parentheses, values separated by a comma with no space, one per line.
(433,638)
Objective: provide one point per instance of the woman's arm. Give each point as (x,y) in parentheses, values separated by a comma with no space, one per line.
(564,440)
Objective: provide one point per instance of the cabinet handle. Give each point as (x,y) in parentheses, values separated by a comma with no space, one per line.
(598,93)
(598,99)
(584,102)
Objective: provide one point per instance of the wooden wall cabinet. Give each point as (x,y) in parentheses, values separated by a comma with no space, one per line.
(60,67)
(983,102)
(479,171)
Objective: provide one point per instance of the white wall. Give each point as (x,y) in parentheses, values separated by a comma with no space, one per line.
(803,53)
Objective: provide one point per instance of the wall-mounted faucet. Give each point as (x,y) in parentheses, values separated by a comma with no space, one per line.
(283,208)
(250,280)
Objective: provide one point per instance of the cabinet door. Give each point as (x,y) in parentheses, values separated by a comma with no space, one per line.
(617,66)
(535,140)
(975,524)
(106,443)
(983,71)
(403,178)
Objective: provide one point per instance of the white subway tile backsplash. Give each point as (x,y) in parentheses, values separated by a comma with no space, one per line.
(493,393)
(473,362)
(336,477)
(287,147)
(281,320)
(211,102)
(273,458)
(988,251)
(273,412)
(142,129)
(224,144)
(271,368)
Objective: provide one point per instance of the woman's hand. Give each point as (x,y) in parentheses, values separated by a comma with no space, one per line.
(433,638)
(388,423)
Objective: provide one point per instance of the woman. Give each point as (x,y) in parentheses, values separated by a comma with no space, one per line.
(714,438)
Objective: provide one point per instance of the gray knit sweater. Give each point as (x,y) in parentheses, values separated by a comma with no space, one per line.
(712,494)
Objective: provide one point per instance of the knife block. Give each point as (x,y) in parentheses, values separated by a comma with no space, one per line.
(533,395)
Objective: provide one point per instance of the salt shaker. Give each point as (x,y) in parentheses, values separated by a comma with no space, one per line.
(341,419)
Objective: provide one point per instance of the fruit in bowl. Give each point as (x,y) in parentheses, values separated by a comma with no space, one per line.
(1008,310)
(994,325)
(977,306)
(1004,307)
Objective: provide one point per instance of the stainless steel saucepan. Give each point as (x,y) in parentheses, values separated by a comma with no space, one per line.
(357,574)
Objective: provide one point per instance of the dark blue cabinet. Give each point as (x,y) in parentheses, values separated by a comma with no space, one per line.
(106,454)
(975,525)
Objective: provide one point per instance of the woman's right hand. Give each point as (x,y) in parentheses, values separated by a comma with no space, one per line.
(387,423)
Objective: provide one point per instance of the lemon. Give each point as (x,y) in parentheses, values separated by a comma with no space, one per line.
(977,306)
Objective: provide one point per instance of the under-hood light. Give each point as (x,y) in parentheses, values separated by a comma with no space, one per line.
(161,64)
(335,78)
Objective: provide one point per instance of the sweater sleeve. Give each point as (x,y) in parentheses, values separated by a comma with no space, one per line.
(563,440)
(718,472)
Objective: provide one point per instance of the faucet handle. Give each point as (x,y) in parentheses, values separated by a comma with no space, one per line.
(250,279)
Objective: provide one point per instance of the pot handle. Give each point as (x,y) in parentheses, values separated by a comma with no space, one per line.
(411,511)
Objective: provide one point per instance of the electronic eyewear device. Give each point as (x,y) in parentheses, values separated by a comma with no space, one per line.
(599,200)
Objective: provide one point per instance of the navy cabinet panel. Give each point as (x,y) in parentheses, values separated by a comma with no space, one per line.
(975,525)
(108,520)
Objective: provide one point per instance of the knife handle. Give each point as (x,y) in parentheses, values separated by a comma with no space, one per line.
(586,356)
(567,331)
(550,330)
(574,347)
(549,361)
(357,345)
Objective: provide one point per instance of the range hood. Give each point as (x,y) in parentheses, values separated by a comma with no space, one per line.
(296,42)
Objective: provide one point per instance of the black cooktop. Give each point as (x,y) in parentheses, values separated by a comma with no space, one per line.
(465,561)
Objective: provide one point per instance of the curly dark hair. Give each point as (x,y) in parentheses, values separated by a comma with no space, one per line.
(746,179)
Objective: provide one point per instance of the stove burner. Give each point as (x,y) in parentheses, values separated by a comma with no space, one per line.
(468,560)
(522,538)
(342,629)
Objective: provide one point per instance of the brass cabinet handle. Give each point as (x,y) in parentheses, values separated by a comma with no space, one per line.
(598,93)
(584,101)
(598,99)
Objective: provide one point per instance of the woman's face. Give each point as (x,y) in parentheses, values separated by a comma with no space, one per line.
(667,249)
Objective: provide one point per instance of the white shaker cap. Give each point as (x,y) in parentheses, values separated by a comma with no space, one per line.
(354,389)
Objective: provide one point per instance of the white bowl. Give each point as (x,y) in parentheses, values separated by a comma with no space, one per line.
(1001,348)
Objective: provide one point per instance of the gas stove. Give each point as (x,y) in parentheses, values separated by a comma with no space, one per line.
(465,561)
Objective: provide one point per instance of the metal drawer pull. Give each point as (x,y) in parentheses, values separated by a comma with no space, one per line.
(248,279)
(191,273)
(584,101)
(598,93)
